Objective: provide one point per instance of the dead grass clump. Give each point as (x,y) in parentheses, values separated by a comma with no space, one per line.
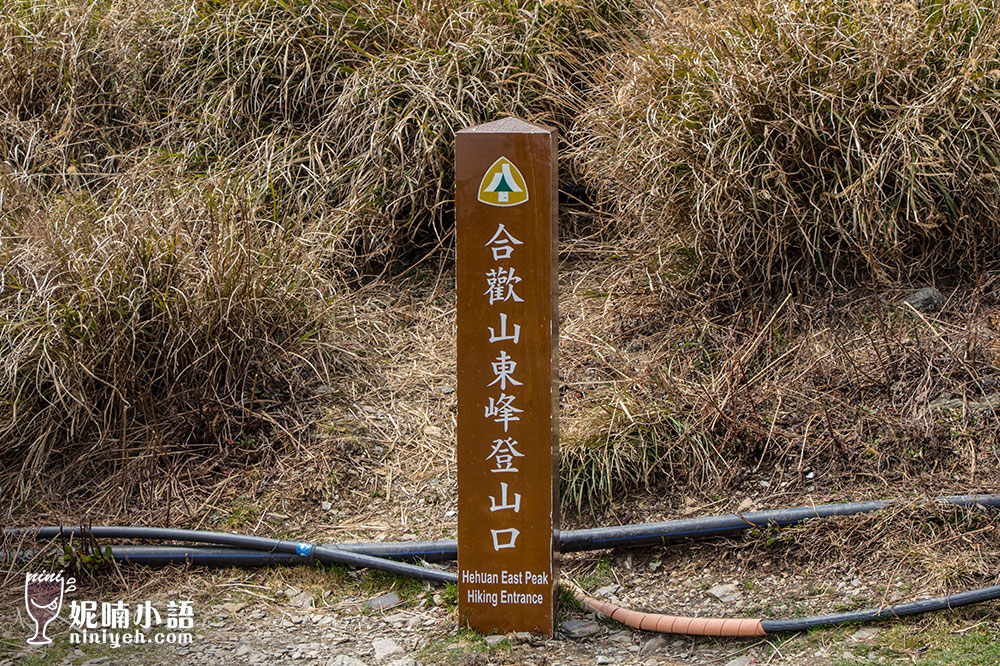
(934,547)
(790,141)
(667,387)
(342,113)
(165,328)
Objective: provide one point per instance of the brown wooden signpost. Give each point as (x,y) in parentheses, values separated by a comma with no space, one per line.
(506,210)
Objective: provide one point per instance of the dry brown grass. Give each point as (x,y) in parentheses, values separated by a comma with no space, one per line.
(339,113)
(167,331)
(790,142)
(186,185)
(697,392)
(918,545)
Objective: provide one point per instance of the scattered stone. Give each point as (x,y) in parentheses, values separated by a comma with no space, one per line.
(344,660)
(927,299)
(740,661)
(433,431)
(445,388)
(234,607)
(653,644)
(727,593)
(495,640)
(384,602)
(580,628)
(623,637)
(302,600)
(396,618)
(607,589)
(326,506)
(385,647)
(404,661)
(522,637)
(603,659)
(864,634)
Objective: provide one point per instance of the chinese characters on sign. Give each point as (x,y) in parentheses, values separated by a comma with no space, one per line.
(507,425)
(501,409)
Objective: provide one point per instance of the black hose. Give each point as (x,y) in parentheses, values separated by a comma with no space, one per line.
(899,610)
(644,534)
(162,555)
(241,550)
(731,524)
(307,551)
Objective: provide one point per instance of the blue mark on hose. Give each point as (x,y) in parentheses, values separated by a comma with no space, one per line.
(303,549)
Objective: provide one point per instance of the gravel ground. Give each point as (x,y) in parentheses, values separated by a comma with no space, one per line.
(261,618)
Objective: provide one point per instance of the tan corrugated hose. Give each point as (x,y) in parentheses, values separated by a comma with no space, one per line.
(670,624)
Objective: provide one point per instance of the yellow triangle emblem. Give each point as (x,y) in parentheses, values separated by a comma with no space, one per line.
(503,185)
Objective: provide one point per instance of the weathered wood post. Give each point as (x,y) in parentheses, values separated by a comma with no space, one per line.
(508,396)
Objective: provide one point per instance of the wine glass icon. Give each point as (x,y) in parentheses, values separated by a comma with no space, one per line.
(43,597)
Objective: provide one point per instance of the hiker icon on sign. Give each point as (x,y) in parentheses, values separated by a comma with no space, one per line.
(503,185)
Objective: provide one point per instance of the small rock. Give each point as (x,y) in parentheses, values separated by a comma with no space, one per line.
(740,661)
(302,600)
(927,299)
(445,388)
(344,660)
(385,647)
(607,589)
(326,506)
(864,634)
(433,431)
(522,637)
(726,593)
(495,640)
(653,644)
(384,602)
(580,628)
(603,659)
(622,637)
(396,619)
(404,661)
